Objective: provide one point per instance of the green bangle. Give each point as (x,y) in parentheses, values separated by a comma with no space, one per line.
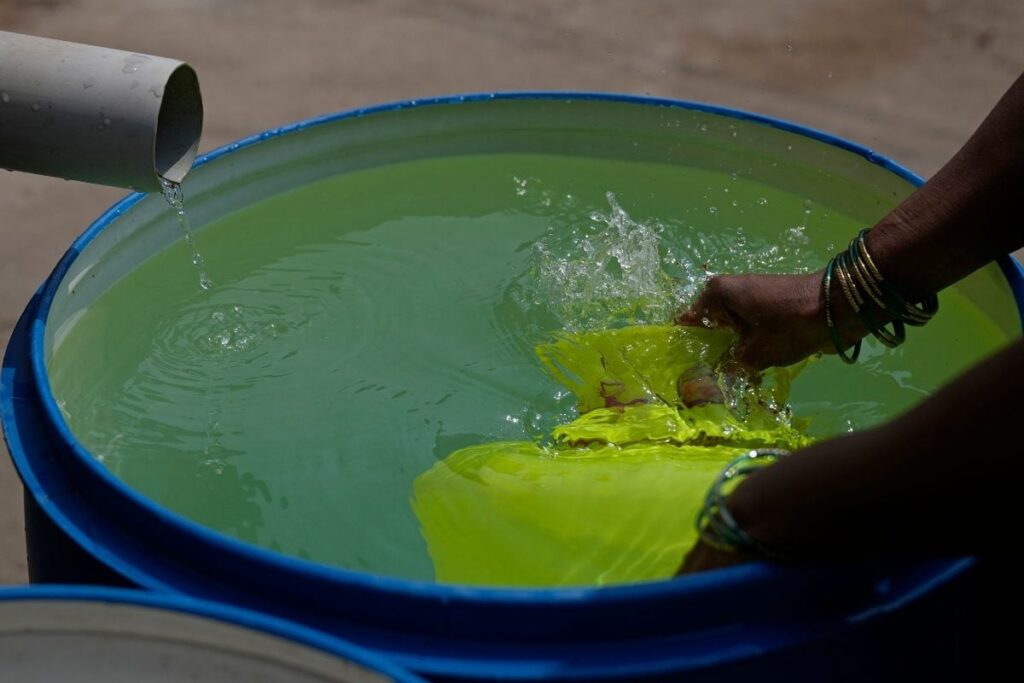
(896,305)
(826,283)
(865,277)
(854,298)
(865,288)
(891,339)
(715,523)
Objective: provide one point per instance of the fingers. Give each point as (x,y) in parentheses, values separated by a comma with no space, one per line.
(733,367)
(752,353)
(714,306)
(778,318)
(702,557)
(692,317)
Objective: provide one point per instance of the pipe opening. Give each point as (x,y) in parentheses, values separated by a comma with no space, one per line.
(179,125)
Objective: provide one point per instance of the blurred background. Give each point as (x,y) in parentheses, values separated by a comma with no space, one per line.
(908,78)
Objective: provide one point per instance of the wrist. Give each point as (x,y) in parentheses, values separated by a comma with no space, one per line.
(753,513)
(716,522)
(846,321)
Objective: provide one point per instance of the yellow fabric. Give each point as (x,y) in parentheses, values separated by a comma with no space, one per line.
(632,363)
(614,498)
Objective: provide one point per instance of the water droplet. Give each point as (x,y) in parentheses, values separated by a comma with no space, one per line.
(796,235)
(762,201)
(5,97)
(133,62)
(712,209)
(35,106)
(176,198)
(106,122)
(88,83)
(789,48)
(830,74)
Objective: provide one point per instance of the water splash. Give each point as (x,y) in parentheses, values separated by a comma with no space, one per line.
(176,198)
(234,329)
(603,272)
(613,269)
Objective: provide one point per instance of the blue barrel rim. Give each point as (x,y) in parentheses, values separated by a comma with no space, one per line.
(432,592)
(228,614)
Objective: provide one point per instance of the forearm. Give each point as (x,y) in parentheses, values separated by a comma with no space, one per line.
(969,213)
(936,480)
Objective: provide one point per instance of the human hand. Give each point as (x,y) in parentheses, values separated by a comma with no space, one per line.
(780,318)
(705,557)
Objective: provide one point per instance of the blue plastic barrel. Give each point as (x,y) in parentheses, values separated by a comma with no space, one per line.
(77,633)
(883,621)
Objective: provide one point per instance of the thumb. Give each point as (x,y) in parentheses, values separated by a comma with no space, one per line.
(692,316)
(712,307)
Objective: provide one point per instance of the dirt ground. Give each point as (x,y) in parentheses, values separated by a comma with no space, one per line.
(909,78)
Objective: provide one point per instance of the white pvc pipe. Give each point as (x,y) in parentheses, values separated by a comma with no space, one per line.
(94,114)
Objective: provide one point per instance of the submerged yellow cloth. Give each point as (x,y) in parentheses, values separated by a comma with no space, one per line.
(614,499)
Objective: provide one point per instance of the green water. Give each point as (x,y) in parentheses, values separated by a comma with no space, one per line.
(365,326)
